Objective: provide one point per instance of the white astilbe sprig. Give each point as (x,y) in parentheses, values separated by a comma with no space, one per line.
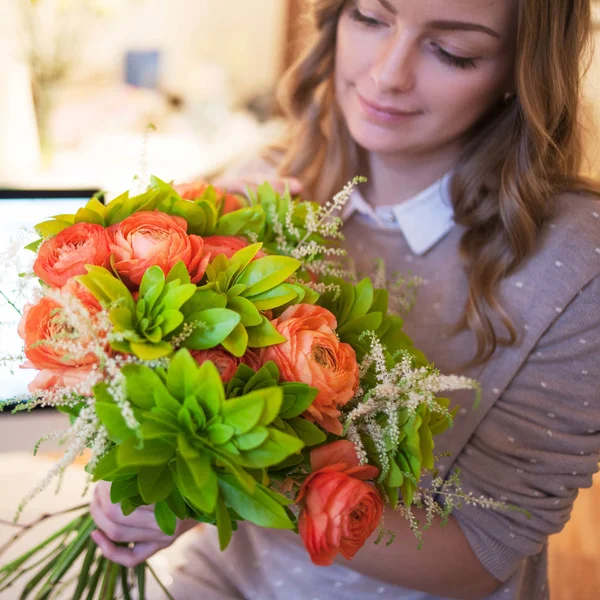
(444,496)
(82,432)
(397,388)
(321,222)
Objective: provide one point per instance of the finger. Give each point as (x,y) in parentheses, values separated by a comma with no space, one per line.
(127,557)
(129,531)
(142,518)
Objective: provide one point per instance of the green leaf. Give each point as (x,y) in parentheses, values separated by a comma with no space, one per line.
(155,483)
(237,341)
(209,391)
(308,432)
(85,215)
(247,311)
(177,296)
(126,488)
(223,524)
(363,299)
(177,504)
(34,246)
(303,396)
(241,221)
(215,325)
(275,297)
(259,508)
(178,272)
(182,375)
(110,415)
(151,351)
(141,383)
(252,439)
(243,413)
(165,518)
(266,273)
(264,335)
(242,258)
(370,322)
(154,453)
(276,448)
(51,228)
(219,433)
(153,279)
(197,481)
(108,467)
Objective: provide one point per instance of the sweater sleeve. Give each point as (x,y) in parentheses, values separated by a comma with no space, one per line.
(539,443)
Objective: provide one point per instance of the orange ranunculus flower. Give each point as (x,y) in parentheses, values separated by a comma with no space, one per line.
(48,338)
(339,510)
(314,355)
(226,363)
(227,245)
(66,254)
(191,191)
(146,238)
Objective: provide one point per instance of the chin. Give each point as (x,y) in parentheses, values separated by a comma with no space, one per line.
(382,141)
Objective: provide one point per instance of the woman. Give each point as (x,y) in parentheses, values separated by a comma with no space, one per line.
(464,116)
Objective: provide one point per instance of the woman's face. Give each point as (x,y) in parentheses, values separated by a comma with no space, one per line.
(412,76)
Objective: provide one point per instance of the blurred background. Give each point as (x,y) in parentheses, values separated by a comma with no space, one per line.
(81,81)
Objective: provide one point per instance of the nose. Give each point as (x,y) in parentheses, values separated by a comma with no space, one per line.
(394,66)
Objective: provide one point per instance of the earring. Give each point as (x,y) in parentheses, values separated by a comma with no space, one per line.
(508,96)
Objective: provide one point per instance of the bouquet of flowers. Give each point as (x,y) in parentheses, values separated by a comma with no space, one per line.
(218,363)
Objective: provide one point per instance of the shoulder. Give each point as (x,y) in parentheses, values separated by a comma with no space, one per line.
(571,239)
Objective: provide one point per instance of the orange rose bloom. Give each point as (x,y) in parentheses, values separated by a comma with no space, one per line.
(227,245)
(47,334)
(226,363)
(148,238)
(314,355)
(191,191)
(339,510)
(65,255)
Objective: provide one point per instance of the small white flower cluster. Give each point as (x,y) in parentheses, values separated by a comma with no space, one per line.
(397,388)
(402,289)
(82,432)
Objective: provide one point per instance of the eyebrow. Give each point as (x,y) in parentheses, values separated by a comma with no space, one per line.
(447,25)
(461,26)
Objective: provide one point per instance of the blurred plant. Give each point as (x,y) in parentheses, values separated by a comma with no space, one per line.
(53,31)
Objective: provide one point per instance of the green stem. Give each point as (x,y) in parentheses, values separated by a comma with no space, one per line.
(160,583)
(25,528)
(67,558)
(85,569)
(110,582)
(125,584)
(93,584)
(96,578)
(15,564)
(13,576)
(10,303)
(140,572)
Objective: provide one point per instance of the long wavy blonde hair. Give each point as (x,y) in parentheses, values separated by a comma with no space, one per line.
(515,162)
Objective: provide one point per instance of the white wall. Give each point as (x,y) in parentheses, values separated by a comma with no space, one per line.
(246,36)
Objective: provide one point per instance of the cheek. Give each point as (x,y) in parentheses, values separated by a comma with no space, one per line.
(352,56)
(463,98)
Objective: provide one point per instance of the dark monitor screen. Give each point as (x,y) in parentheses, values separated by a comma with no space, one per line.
(19,211)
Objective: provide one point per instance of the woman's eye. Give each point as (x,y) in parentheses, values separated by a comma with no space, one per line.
(460,62)
(357,16)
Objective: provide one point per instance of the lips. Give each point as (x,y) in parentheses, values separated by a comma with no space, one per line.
(380,112)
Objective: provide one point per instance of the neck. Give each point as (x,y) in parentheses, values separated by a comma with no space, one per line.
(396,178)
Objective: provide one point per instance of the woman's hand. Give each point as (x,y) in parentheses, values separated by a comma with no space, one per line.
(139,528)
(240,185)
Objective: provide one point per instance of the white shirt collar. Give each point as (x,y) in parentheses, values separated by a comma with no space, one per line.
(424,219)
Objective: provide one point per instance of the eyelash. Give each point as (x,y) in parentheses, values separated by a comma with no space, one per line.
(450,59)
